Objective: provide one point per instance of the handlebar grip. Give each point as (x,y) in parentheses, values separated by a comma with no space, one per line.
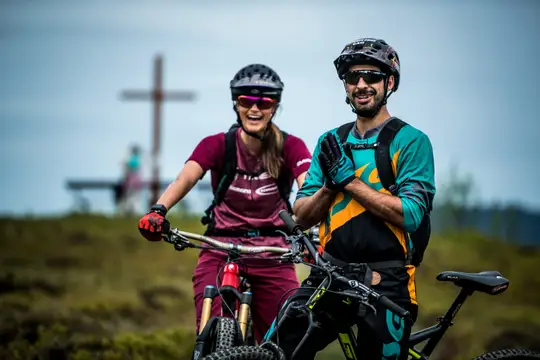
(166,228)
(289,222)
(394,307)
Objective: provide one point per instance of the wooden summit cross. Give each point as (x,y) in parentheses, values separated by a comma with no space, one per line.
(157,95)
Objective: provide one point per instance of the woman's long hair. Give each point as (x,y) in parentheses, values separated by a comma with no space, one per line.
(272,151)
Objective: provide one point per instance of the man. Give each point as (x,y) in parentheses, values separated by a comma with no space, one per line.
(362,222)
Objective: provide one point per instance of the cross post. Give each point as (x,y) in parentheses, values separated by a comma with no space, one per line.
(157,95)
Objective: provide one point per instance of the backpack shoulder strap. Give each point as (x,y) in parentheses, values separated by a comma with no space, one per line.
(283,180)
(383,159)
(343,132)
(227,173)
(228,170)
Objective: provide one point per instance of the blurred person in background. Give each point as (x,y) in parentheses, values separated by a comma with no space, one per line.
(262,163)
(128,193)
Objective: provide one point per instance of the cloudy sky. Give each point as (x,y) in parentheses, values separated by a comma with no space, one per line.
(469,81)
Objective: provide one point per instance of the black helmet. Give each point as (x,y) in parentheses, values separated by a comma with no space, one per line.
(256,79)
(369,51)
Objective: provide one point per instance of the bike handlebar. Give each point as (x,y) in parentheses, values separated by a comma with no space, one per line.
(180,239)
(295,229)
(175,235)
(394,307)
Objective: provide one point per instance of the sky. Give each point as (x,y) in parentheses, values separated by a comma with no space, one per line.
(469,81)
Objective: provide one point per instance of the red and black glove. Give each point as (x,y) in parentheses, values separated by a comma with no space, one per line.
(153,224)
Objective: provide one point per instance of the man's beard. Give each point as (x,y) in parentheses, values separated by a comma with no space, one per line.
(369,110)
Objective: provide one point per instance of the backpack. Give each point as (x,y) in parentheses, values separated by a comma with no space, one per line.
(228,173)
(383,162)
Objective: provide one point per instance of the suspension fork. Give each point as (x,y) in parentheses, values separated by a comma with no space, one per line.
(231,280)
(229,291)
(243,314)
(210,292)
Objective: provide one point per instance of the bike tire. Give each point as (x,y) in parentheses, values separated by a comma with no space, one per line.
(509,354)
(242,353)
(226,334)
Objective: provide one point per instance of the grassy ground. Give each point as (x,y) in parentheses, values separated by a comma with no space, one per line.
(91,288)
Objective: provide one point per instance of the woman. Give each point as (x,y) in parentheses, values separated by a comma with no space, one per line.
(253,199)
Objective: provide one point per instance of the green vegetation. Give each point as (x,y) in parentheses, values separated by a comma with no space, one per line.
(90,287)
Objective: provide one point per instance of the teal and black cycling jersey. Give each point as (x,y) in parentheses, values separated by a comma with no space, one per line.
(353,234)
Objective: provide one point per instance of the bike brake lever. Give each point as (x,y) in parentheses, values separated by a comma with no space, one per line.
(179,241)
(290,239)
(364,300)
(369,305)
(293,239)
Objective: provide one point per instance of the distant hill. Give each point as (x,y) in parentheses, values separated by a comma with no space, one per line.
(513,224)
(90,287)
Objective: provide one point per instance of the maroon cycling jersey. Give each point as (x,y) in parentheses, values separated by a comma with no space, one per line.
(251,201)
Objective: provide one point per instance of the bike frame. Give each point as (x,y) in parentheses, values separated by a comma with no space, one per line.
(236,301)
(348,339)
(231,295)
(357,290)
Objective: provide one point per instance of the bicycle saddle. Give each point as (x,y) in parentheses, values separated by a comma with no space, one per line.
(489,282)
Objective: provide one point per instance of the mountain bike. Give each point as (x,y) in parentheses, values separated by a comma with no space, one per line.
(354,292)
(233,327)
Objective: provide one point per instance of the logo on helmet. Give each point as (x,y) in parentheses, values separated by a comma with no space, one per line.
(264,82)
(395,62)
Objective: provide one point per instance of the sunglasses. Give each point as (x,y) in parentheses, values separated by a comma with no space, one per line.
(370,76)
(263,103)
